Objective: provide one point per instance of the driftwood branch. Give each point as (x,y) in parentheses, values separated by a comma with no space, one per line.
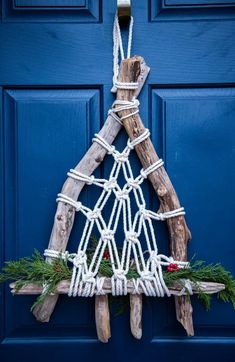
(178,230)
(136,306)
(176,289)
(102,318)
(64,217)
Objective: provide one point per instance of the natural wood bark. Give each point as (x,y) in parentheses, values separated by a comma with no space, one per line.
(102,318)
(175,289)
(178,230)
(64,217)
(136,306)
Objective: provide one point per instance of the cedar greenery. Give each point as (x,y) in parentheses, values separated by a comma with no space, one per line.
(36,270)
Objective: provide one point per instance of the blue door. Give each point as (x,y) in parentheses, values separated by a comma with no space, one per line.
(55,77)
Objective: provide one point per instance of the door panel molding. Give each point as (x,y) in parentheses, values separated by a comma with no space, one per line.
(161,10)
(47,131)
(28,11)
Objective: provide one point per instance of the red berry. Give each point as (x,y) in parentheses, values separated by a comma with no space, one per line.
(106,255)
(172,267)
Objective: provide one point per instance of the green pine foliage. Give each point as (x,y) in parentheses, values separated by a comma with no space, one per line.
(36,270)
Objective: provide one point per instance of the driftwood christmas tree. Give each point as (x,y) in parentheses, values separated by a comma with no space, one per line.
(132,70)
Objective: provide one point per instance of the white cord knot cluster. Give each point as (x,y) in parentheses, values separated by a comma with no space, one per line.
(79,259)
(89,278)
(121,157)
(110,184)
(146,275)
(134,183)
(154,257)
(132,237)
(144,212)
(122,195)
(95,214)
(107,234)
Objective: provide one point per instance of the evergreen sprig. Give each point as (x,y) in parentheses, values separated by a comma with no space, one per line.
(36,270)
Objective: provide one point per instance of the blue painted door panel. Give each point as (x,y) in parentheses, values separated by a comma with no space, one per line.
(55,78)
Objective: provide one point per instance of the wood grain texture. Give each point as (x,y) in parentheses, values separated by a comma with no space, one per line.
(102,318)
(64,217)
(175,289)
(136,307)
(178,231)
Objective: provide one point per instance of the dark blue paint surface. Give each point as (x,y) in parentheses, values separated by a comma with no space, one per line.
(55,77)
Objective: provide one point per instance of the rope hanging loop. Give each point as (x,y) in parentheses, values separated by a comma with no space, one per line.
(119,50)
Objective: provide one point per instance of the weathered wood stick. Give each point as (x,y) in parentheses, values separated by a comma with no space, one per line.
(136,306)
(178,230)
(102,318)
(176,289)
(64,217)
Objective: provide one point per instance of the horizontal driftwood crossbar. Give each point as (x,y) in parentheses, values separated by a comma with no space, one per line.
(175,289)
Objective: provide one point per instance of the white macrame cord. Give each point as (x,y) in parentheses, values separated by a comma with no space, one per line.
(86,280)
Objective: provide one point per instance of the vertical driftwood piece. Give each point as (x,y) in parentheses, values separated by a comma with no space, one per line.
(64,216)
(136,303)
(102,319)
(178,230)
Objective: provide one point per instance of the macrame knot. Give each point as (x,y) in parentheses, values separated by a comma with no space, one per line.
(67,256)
(88,278)
(95,214)
(155,258)
(79,259)
(121,157)
(119,274)
(90,180)
(122,195)
(111,150)
(107,234)
(146,275)
(110,184)
(134,183)
(143,211)
(132,237)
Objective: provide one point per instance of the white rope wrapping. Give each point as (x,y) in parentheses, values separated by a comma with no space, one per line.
(136,226)
(124,105)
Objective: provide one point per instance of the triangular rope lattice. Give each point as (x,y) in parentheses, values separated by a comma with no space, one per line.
(85,279)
